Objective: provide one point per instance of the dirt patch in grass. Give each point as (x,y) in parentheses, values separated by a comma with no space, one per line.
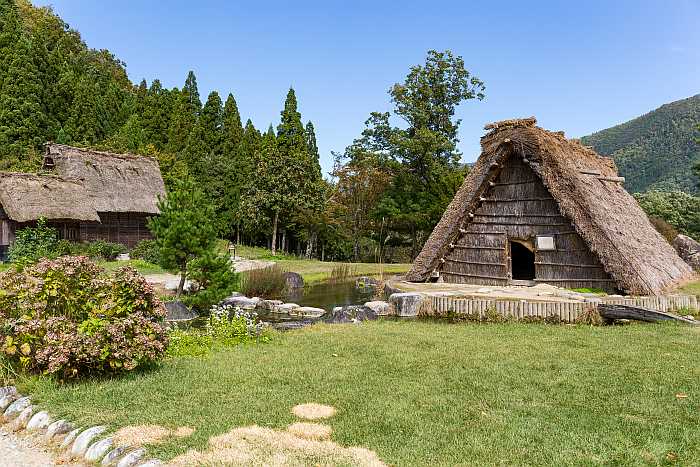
(313,411)
(313,431)
(255,445)
(139,435)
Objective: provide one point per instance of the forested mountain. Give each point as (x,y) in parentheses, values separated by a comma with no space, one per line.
(657,150)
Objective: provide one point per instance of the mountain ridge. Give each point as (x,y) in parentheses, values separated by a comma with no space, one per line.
(655,151)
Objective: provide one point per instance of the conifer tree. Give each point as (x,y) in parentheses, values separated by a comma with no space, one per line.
(290,132)
(211,120)
(232,129)
(185,114)
(22,121)
(156,115)
(311,145)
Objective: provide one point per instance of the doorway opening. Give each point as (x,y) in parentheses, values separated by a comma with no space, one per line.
(522,262)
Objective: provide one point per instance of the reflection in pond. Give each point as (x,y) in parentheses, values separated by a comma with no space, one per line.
(328,295)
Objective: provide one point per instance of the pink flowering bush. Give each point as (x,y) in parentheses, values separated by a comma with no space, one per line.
(65,317)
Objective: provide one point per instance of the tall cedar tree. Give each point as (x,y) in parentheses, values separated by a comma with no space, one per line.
(186,111)
(183,231)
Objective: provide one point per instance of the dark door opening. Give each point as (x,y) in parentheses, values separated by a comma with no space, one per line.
(522,262)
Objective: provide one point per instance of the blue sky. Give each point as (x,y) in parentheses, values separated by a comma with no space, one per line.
(576,66)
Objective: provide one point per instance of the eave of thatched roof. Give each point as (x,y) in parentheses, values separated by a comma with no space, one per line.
(114,182)
(28,197)
(607,217)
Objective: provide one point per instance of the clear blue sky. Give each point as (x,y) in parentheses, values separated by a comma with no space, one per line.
(576,66)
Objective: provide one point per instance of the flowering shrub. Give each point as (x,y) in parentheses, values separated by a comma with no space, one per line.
(227,322)
(226,326)
(65,317)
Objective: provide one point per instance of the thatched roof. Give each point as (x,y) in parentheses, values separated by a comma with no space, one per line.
(114,182)
(27,197)
(589,194)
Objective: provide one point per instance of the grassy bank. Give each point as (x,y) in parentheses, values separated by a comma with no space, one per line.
(424,393)
(314,271)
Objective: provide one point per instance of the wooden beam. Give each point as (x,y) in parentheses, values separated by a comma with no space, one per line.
(476,275)
(480,263)
(513,200)
(612,179)
(574,280)
(523,223)
(570,265)
(611,312)
(589,172)
(516,183)
(472,247)
(519,215)
(485,232)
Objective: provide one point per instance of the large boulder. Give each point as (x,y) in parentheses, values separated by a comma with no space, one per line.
(350,314)
(239,301)
(406,304)
(689,250)
(308,312)
(379,307)
(178,311)
(294,280)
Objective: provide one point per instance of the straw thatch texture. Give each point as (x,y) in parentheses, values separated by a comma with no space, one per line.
(114,182)
(584,186)
(27,197)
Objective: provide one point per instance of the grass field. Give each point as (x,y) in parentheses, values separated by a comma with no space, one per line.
(429,393)
(314,271)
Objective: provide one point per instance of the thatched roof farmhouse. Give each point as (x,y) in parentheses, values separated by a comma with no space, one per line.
(538,208)
(86,195)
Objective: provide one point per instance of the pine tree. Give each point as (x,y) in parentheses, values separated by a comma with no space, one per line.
(22,121)
(183,231)
(192,93)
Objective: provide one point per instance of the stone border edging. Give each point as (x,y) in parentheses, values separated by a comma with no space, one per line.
(84,444)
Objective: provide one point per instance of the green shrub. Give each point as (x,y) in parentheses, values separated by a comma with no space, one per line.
(65,317)
(212,279)
(226,327)
(34,243)
(146,250)
(268,282)
(99,249)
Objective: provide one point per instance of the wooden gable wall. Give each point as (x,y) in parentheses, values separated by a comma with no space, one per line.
(517,206)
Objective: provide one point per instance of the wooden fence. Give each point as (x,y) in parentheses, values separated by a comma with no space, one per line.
(566,311)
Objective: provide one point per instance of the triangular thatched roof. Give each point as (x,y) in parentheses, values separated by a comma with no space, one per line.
(27,197)
(114,182)
(589,193)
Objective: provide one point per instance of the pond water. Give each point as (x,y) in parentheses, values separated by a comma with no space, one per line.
(328,295)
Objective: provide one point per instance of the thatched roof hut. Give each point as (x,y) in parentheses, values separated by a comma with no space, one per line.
(559,199)
(27,197)
(114,182)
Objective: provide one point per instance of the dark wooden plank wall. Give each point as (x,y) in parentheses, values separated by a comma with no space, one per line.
(519,206)
(125,228)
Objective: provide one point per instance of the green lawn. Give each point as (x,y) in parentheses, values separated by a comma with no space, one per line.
(314,271)
(692,288)
(429,393)
(140,265)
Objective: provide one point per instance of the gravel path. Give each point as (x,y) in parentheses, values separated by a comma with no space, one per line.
(24,451)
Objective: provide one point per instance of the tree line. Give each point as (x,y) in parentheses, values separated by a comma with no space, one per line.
(386,192)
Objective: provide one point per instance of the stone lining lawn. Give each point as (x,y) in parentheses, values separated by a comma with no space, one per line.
(429,393)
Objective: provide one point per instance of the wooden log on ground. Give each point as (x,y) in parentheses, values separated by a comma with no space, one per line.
(609,311)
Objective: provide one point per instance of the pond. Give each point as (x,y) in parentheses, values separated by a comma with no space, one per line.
(328,295)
